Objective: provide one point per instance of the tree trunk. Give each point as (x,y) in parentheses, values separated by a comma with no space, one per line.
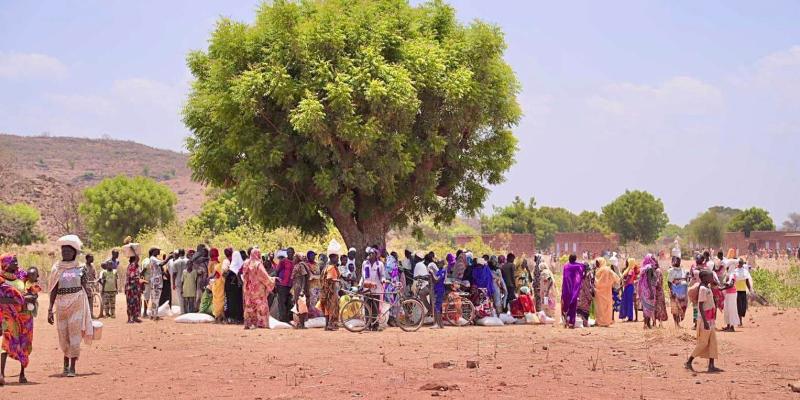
(361,234)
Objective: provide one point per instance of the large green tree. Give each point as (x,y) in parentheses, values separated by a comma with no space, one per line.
(590,222)
(708,228)
(636,216)
(371,113)
(752,219)
(121,206)
(521,217)
(18,224)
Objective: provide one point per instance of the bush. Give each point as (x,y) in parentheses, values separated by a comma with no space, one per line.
(122,206)
(780,288)
(18,224)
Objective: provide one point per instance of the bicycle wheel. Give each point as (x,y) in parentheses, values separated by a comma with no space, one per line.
(467,311)
(412,314)
(354,315)
(96,305)
(458,313)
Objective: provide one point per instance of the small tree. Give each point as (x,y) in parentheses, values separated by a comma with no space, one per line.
(121,206)
(636,216)
(752,219)
(707,229)
(18,224)
(222,213)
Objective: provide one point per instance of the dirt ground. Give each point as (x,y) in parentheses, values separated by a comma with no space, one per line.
(166,360)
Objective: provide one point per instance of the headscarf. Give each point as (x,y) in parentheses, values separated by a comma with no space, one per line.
(600,262)
(451,260)
(731,253)
(501,260)
(648,260)
(201,255)
(236,262)
(391,266)
(6,260)
(255,255)
(214,254)
(228,253)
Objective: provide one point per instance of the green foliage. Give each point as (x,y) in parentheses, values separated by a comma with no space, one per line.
(751,219)
(780,288)
(519,217)
(636,216)
(672,231)
(18,224)
(429,236)
(708,229)
(221,214)
(122,206)
(591,222)
(370,113)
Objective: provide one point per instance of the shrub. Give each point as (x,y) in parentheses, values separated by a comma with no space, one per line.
(18,224)
(780,288)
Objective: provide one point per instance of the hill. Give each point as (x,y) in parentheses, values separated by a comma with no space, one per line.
(49,172)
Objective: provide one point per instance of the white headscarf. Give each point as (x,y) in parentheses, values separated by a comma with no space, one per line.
(237,262)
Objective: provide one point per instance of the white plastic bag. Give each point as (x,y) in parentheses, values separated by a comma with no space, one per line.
(461,321)
(275,324)
(194,318)
(490,321)
(97,330)
(507,319)
(428,321)
(531,318)
(176,310)
(318,322)
(354,323)
(164,310)
(543,318)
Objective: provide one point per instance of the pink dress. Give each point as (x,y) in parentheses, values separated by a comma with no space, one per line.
(257,285)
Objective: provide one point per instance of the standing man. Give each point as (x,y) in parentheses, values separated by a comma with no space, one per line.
(570,289)
(156,282)
(284,283)
(507,270)
(372,280)
(176,269)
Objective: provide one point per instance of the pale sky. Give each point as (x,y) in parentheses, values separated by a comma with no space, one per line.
(696,102)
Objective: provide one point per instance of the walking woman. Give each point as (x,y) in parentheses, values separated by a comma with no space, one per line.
(217,283)
(651,292)
(16,318)
(678,291)
(547,290)
(628,292)
(234,303)
(68,295)
(133,290)
(257,285)
(329,297)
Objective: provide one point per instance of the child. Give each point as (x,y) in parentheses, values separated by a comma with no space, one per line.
(706,334)
(455,307)
(32,288)
(437,277)
(108,284)
(302,311)
(189,289)
(523,304)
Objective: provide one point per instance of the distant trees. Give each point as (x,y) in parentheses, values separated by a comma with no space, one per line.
(751,219)
(636,216)
(792,224)
(221,213)
(18,224)
(122,206)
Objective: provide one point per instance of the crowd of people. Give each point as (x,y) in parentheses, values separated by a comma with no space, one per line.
(247,287)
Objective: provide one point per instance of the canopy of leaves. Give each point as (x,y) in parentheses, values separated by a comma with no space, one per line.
(671,231)
(792,224)
(751,219)
(708,229)
(371,112)
(221,213)
(591,222)
(636,216)
(544,222)
(122,206)
(18,224)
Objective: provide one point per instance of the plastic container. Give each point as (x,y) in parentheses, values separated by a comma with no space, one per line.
(97,330)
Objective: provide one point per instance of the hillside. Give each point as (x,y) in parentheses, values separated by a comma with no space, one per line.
(48,172)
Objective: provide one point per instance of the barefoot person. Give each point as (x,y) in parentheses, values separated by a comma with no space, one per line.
(604,280)
(16,318)
(706,334)
(570,290)
(257,285)
(133,290)
(68,295)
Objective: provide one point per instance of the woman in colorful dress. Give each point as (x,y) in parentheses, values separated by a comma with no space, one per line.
(628,310)
(605,279)
(133,290)
(586,296)
(329,297)
(257,285)
(678,291)
(68,295)
(314,284)
(16,318)
(217,283)
(651,292)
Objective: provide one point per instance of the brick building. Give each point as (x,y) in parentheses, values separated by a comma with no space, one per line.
(517,243)
(578,242)
(762,240)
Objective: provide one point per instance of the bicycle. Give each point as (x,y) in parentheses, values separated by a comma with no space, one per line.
(97,299)
(458,311)
(356,318)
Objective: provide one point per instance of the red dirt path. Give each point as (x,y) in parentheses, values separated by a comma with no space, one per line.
(166,360)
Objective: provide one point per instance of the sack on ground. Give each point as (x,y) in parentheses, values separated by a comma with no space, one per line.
(194,318)
(315,322)
(275,324)
(164,310)
(490,321)
(507,319)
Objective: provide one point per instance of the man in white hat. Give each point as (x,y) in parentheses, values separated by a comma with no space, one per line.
(68,295)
